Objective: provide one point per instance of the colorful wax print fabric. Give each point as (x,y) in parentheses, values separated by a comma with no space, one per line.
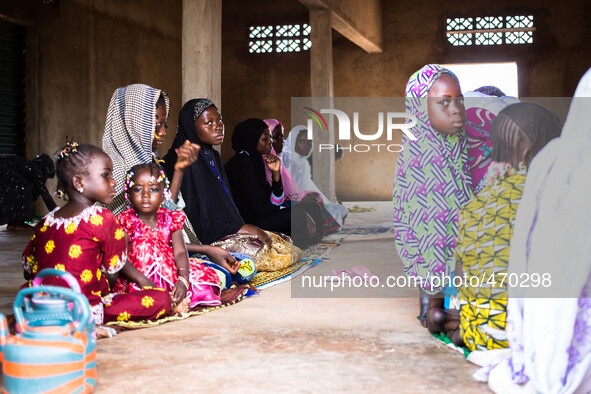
(485,230)
(432,183)
(150,251)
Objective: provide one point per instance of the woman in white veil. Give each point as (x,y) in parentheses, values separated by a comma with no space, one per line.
(549,326)
(295,158)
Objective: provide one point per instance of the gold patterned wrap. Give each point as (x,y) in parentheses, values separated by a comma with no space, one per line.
(279,255)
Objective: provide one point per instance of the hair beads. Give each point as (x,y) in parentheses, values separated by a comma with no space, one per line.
(71,147)
(129,183)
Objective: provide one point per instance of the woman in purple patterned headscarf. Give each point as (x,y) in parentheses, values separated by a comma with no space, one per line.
(432,180)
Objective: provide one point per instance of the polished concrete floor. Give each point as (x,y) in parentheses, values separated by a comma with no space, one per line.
(351,339)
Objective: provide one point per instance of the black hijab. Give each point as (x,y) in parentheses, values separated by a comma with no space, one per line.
(245,138)
(207,195)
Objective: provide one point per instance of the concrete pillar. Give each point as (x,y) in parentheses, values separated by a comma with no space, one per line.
(202,50)
(322,88)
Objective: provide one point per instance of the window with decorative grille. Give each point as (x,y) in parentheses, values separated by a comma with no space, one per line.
(491,30)
(279,38)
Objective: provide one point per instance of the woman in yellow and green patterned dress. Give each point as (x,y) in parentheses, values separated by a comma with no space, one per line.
(486,223)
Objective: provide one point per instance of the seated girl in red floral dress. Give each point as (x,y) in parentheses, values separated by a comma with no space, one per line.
(86,241)
(156,245)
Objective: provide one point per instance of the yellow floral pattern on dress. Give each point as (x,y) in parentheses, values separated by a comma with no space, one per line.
(97,220)
(99,274)
(162,312)
(119,233)
(43,229)
(60,267)
(96,293)
(123,316)
(86,276)
(75,251)
(49,246)
(114,261)
(147,301)
(95,239)
(32,263)
(71,228)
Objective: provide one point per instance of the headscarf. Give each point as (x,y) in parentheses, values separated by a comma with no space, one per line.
(478,123)
(205,187)
(482,106)
(490,91)
(551,337)
(290,187)
(272,123)
(246,135)
(129,129)
(432,182)
(289,147)
(245,138)
(301,173)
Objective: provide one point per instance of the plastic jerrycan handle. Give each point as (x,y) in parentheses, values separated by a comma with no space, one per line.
(51,272)
(81,306)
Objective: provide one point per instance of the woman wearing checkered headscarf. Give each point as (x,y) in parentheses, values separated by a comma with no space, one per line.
(130,132)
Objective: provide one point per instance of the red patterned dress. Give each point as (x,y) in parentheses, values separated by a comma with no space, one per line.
(150,251)
(88,246)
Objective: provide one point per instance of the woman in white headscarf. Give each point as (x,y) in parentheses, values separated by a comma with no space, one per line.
(295,160)
(550,338)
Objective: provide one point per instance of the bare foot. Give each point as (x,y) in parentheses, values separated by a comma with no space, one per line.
(102,332)
(182,307)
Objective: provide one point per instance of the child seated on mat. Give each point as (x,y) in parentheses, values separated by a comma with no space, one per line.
(486,223)
(156,245)
(87,241)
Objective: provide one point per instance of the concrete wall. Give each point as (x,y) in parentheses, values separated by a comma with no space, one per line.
(259,85)
(359,21)
(413,37)
(80,51)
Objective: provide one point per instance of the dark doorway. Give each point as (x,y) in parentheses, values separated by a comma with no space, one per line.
(12,89)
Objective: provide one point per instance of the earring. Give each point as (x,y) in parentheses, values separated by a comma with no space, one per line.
(81,190)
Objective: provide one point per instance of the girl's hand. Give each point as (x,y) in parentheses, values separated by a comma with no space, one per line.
(254,230)
(145,282)
(273,162)
(222,258)
(233,267)
(187,155)
(179,292)
(312,197)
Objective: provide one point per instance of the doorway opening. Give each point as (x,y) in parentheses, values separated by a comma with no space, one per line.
(474,75)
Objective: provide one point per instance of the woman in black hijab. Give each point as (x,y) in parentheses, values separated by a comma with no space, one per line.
(259,203)
(205,187)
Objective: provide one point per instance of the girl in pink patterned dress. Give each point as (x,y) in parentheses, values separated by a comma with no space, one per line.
(156,245)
